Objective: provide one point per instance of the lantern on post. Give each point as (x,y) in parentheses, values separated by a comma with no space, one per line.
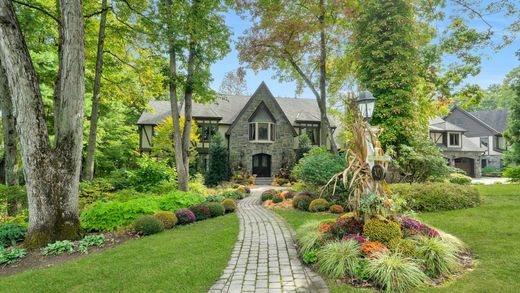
(366,102)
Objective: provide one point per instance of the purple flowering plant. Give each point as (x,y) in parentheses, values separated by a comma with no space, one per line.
(359,238)
(185,216)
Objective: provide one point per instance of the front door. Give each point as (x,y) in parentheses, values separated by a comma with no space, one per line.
(262,165)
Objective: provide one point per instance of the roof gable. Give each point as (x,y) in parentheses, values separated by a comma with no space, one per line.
(261,92)
(497,119)
(473,125)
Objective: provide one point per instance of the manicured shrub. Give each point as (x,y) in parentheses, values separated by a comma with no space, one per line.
(216,209)
(11,256)
(461,179)
(381,231)
(277,198)
(268,194)
(229,205)
(319,205)
(336,209)
(513,173)
(302,202)
(345,226)
(58,248)
(167,218)
(359,238)
(11,233)
(201,212)
(185,216)
(438,257)
(394,273)
(338,259)
(437,196)
(371,247)
(148,225)
(91,240)
(404,246)
(287,194)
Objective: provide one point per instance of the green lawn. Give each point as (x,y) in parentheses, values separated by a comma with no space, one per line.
(491,230)
(185,259)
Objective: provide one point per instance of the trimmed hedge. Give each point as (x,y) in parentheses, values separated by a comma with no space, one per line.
(167,218)
(229,205)
(431,197)
(319,205)
(215,209)
(302,202)
(148,225)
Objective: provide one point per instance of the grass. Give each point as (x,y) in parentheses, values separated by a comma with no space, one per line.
(491,230)
(186,259)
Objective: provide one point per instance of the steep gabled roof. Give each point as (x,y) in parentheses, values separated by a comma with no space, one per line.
(497,119)
(439,124)
(476,119)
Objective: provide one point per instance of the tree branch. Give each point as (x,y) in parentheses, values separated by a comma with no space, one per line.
(39,8)
(97,12)
(465,5)
(119,59)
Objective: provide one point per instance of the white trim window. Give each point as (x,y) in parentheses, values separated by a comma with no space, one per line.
(454,139)
(262,132)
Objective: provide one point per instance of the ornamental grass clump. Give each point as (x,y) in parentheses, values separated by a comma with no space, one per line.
(382,231)
(167,218)
(229,205)
(319,205)
(338,259)
(185,216)
(216,209)
(437,257)
(394,273)
(201,212)
(148,225)
(309,236)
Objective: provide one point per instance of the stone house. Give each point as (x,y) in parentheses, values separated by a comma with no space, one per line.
(261,131)
(471,140)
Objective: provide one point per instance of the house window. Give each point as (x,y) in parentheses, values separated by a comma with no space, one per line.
(500,143)
(206,132)
(312,131)
(454,139)
(262,131)
(483,163)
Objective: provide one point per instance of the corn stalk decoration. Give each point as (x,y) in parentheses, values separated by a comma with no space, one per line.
(358,177)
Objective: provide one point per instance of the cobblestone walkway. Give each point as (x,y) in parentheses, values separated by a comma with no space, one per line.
(264,258)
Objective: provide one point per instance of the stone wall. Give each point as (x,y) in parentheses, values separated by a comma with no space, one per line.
(242,150)
(452,155)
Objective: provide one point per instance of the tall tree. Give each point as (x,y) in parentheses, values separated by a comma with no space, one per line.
(301,39)
(194,35)
(52,173)
(513,130)
(91,147)
(234,83)
(9,135)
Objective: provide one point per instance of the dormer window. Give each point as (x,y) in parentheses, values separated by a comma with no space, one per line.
(262,127)
(454,139)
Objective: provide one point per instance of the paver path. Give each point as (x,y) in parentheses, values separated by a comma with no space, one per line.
(264,258)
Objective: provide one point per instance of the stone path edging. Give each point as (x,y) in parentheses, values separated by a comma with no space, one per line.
(264,258)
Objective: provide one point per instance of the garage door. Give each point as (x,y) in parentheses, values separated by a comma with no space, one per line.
(467,165)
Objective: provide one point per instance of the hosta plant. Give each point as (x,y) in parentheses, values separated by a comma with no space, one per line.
(91,240)
(58,248)
(12,255)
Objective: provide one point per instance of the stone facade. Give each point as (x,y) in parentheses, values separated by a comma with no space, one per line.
(451,156)
(242,150)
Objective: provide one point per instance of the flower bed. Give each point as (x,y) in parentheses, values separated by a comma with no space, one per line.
(394,254)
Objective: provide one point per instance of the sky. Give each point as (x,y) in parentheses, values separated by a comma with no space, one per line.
(495,65)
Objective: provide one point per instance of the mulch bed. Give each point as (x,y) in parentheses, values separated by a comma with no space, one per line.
(35,260)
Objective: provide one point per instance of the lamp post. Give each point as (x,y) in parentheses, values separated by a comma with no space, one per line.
(366,102)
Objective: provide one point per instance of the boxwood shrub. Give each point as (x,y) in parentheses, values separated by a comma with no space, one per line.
(148,225)
(319,205)
(429,197)
(215,209)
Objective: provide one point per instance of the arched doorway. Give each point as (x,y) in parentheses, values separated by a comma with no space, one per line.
(467,165)
(262,165)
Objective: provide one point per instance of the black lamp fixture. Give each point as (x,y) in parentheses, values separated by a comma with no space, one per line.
(366,102)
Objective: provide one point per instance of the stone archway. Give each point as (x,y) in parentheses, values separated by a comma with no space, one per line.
(262,165)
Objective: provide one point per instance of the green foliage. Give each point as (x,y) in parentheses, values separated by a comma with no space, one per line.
(513,173)
(421,161)
(302,202)
(91,191)
(339,259)
(460,179)
(167,218)
(163,146)
(10,194)
(178,200)
(309,236)
(148,225)
(229,205)
(319,205)
(215,209)
(11,256)
(58,247)
(11,233)
(512,155)
(151,172)
(201,212)
(371,204)
(91,240)
(381,231)
(218,162)
(394,272)
(277,198)
(310,257)
(196,185)
(232,194)
(304,145)
(215,198)
(318,166)
(404,246)
(437,196)
(437,256)
(268,194)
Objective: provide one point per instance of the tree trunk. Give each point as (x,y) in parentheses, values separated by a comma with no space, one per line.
(188,99)
(52,176)
(10,151)
(91,147)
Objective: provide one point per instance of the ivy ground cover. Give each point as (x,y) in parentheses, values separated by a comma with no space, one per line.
(490,230)
(186,259)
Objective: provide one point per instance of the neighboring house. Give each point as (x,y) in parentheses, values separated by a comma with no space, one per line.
(471,140)
(259,131)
